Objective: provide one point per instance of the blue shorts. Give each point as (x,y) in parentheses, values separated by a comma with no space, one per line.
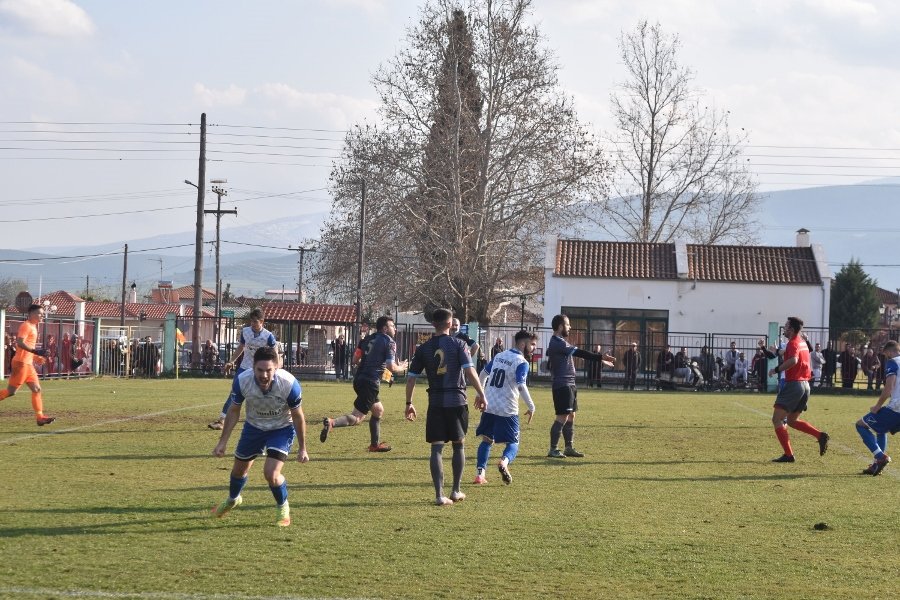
(276,442)
(884,421)
(500,429)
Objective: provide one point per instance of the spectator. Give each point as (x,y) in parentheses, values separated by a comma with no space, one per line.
(497,349)
(339,358)
(879,378)
(595,368)
(760,368)
(740,370)
(829,367)
(52,351)
(665,363)
(683,365)
(209,357)
(849,365)
(65,357)
(817,361)
(870,366)
(632,363)
(706,363)
(731,356)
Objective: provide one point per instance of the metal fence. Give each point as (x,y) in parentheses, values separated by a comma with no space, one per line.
(69,346)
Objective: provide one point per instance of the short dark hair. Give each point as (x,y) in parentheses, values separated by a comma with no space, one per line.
(796,323)
(525,335)
(265,353)
(256,313)
(891,345)
(382,322)
(441,315)
(34,307)
(557,321)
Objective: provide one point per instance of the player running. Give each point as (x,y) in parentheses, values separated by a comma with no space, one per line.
(253,337)
(504,380)
(884,417)
(274,416)
(23,370)
(375,355)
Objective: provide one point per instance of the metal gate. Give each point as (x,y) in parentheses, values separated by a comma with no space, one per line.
(134,351)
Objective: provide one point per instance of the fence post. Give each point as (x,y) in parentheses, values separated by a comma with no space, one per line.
(3,343)
(169,343)
(95,345)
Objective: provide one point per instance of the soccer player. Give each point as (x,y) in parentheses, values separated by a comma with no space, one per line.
(505,378)
(23,370)
(447,363)
(253,337)
(472,344)
(274,417)
(565,397)
(375,355)
(794,393)
(883,418)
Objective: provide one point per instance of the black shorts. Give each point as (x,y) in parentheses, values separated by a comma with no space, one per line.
(446,424)
(366,395)
(565,400)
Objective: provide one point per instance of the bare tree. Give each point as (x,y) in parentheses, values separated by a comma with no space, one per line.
(678,168)
(477,157)
(9,289)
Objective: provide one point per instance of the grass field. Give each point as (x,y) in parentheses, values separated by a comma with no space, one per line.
(676,498)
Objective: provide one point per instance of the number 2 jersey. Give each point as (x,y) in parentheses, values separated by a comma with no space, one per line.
(505,373)
(442,359)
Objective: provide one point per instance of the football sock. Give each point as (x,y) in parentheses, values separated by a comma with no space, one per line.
(555,431)
(37,403)
(781,433)
(437,469)
(483,455)
(568,431)
(280,492)
(510,452)
(881,438)
(868,438)
(235,486)
(4,394)
(459,463)
(344,421)
(375,429)
(806,428)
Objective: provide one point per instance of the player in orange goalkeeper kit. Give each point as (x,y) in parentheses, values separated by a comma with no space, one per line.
(23,370)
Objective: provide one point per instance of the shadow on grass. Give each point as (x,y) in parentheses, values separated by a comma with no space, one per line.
(777,477)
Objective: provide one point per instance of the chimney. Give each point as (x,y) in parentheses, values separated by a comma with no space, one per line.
(803,238)
(681,260)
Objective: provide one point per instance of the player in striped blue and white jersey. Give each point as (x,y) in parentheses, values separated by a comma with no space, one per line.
(505,380)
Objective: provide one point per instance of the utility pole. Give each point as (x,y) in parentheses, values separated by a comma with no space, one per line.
(198,248)
(302,252)
(362,253)
(218,191)
(87,286)
(124,277)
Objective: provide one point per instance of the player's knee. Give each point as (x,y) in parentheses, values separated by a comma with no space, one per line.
(12,391)
(485,439)
(862,424)
(458,444)
(377,410)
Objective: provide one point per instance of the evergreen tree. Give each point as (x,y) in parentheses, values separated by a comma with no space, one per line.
(854,301)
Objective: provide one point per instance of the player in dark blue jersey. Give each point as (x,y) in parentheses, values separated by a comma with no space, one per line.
(447,363)
(474,348)
(565,397)
(375,353)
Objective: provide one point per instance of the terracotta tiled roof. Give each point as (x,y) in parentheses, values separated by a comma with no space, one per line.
(886,296)
(64,301)
(753,264)
(309,313)
(65,307)
(186,292)
(626,260)
(635,260)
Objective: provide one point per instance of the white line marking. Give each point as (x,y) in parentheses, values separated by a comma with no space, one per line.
(102,423)
(75,593)
(865,458)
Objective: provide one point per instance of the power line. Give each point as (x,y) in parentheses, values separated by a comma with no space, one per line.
(276,128)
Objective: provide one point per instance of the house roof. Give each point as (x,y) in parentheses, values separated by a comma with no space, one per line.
(310,313)
(186,292)
(636,260)
(886,296)
(65,307)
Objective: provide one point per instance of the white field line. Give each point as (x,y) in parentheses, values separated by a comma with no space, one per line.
(864,458)
(20,438)
(76,593)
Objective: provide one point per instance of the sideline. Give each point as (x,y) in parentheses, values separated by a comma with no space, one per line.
(102,423)
(864,458)
(76,593)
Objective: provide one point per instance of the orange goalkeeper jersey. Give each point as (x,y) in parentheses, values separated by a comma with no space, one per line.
(28,334)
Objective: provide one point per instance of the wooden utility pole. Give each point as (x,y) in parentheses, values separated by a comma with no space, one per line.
(300,272)
(198,250)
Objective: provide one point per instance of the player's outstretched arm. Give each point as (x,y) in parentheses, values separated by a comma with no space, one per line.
(410,409)
(231,419)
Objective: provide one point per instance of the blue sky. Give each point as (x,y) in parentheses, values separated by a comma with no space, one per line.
(814,84)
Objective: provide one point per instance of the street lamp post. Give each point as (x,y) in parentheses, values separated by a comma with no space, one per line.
(522,300)
(396,309)
(219,191)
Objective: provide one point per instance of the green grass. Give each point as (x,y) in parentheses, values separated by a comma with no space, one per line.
(676,498)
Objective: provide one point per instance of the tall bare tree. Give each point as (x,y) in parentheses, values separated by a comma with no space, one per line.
(9,289)
(476,158)
(679,171)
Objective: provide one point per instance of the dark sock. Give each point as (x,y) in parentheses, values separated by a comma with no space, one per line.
(375,430)
(555,431)
(235,486)
(568,431)
(459,463)
(280,492)
(437,469)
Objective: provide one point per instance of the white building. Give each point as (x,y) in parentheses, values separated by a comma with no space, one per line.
(661,289)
